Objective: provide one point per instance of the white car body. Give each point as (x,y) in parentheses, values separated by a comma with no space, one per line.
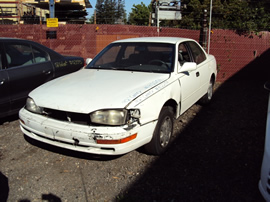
(89,90)
(264,183)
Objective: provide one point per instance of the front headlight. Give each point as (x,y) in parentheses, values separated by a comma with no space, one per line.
(32,107)
(113,117)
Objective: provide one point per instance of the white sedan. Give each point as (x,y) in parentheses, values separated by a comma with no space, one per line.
(127,97)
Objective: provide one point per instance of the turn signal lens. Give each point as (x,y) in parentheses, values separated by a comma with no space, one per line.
(127,139)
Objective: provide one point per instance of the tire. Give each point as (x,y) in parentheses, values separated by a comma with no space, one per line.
(163,133)
(209,94)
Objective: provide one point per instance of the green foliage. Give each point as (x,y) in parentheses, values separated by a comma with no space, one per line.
(243,16)
(109,11)
(240,15)
(139,14)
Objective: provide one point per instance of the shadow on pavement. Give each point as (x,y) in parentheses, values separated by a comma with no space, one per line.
(9,119)
(218,156)
(45,197)
(4,187)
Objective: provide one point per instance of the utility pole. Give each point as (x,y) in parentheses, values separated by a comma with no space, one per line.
(52,21)
(210,22)
(52,8)
(204,39)
(95,17)
(157,17)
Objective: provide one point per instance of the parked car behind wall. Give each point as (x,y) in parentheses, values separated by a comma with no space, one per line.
(24,65)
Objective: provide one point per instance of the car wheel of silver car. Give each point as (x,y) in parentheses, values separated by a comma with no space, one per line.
(209,94)
(163,133)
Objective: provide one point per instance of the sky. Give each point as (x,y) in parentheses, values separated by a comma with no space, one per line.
(128,5)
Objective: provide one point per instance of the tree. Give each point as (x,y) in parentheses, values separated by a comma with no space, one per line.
(261,12)
(139,14)
(240,15)
(192,18)
(109,11)
(120,11)
(100,12)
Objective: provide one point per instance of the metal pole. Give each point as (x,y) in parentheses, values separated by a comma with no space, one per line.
(157,16)
(52,9)
(204,42)
(210,21)
(95,17)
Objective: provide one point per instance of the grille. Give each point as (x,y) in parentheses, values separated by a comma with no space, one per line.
(77,118)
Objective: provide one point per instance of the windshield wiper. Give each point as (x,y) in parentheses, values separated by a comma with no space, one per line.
(94,67)
(117,68)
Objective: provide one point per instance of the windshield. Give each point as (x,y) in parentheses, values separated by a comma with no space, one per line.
(145,57)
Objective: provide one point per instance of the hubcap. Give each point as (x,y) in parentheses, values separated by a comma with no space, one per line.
(165,131)
(210,91)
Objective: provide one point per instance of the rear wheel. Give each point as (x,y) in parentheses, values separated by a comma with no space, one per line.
(209,94)
(163,133)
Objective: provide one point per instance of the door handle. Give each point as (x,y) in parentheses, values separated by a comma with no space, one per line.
(46,72)
(197,74)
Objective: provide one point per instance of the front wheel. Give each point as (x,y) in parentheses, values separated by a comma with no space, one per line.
(163,133)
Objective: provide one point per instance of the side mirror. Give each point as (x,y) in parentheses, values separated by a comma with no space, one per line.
(88,60)
(187,66)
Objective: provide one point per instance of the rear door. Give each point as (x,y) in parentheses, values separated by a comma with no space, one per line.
(27,68)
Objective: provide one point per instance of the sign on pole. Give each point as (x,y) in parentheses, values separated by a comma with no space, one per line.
(52,22)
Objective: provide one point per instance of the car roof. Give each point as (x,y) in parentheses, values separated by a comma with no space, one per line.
(172,40)
(9,38)
(53,54)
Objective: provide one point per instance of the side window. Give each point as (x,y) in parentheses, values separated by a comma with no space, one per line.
(19,54)
(24,54)
(198,54)
(183,55)
(39,55)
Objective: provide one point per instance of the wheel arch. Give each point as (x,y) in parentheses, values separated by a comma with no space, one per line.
(213,78)
(173,104)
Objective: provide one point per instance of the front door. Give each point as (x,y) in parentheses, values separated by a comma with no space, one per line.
(189,81)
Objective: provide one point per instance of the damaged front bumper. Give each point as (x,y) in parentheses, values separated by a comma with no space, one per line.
(105,140)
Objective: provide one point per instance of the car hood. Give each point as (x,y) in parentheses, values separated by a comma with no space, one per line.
(88,90)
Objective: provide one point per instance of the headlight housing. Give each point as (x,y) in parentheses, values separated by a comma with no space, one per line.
(113,117)
(32,107)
